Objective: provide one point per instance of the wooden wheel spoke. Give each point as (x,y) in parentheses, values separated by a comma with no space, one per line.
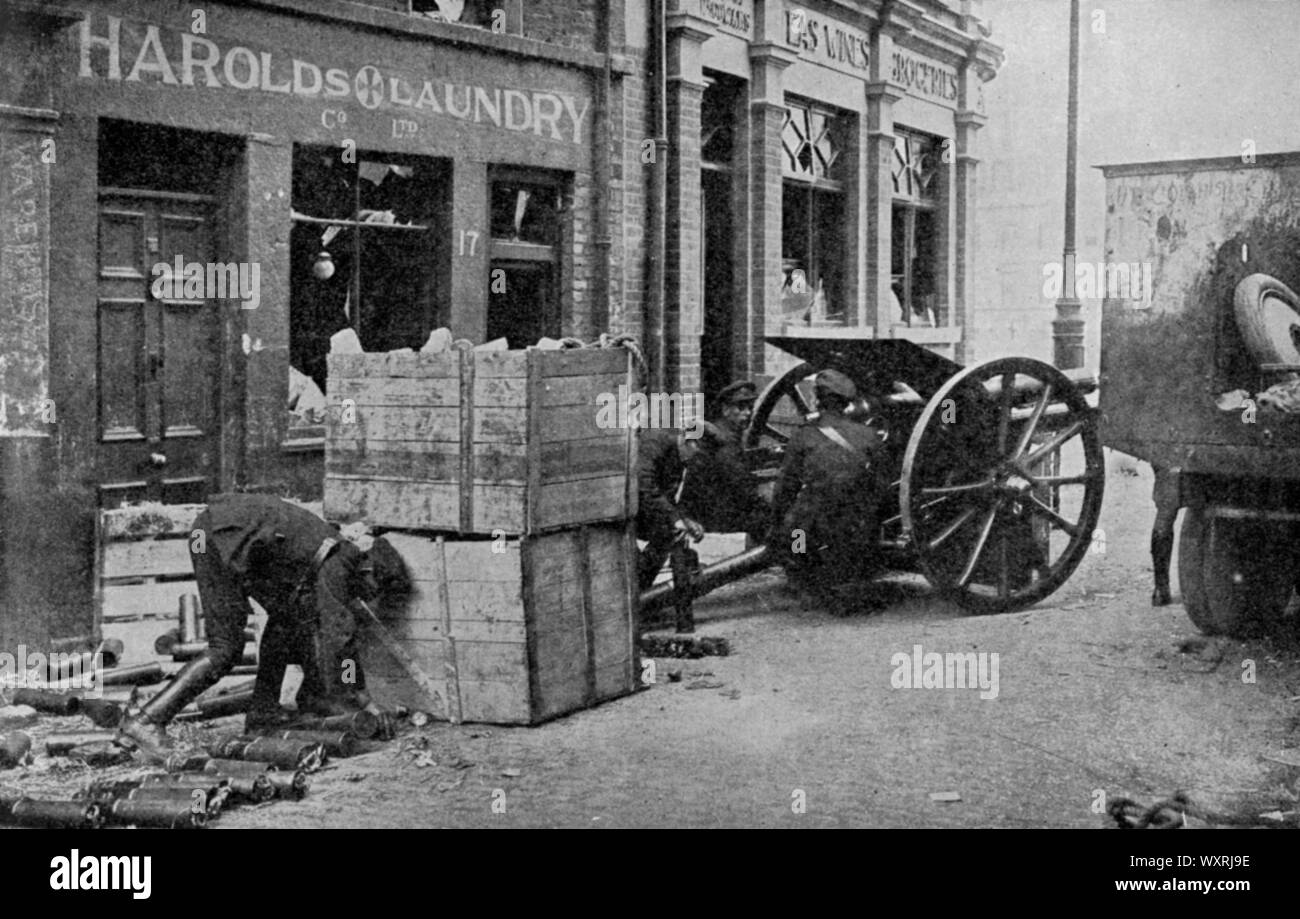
(1036,506)
(1054,481)
(1052,445)
(1004,410)
(1004,569)
(962,519)
(985,529)
(1031,425)
(948,491)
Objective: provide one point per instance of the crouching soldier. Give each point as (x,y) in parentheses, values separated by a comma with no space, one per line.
(662,458)
(307,578)
(720,492)
(827,498)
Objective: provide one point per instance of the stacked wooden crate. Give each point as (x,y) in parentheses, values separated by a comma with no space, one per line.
(512,506)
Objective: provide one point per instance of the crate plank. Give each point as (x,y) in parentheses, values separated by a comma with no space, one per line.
(576,422)
(580,459)
(562,504)
(499,508)
(581,390)
(156,600)
(393,365)
(148,521)
(147,558)
(496,702)
(500,392)
(500,363)
(398,422)
(407,505)
(485,600)
(500,425)
(479,560)
(583,362)
(400,391)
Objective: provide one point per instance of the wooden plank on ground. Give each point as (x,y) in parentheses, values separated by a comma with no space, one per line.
(148,521)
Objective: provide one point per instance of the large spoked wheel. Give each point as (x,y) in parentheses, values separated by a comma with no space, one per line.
(782,407)
(1002,484)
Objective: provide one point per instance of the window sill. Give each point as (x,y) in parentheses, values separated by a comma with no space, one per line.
(802,330)
(927,335)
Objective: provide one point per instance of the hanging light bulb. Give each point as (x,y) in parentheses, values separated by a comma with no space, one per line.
(323,268)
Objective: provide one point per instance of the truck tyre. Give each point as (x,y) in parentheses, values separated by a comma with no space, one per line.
(1268,317)
(1235,575)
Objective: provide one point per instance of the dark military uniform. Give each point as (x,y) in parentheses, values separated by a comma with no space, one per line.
(659,474)
(831,494)
(720,492)
(1167,495)
(262,548)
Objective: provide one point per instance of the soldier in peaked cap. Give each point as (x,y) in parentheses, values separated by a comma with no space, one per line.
(827,497)
(720,492)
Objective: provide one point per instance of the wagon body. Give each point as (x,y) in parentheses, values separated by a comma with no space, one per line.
(1169,354)
(1183,363)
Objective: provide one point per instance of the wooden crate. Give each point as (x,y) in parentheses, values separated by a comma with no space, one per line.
(537,628)
(478,442)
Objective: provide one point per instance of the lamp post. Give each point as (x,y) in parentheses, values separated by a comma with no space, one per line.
(1067,327)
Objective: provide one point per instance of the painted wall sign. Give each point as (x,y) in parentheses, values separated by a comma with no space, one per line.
(129,52)
(24,284)
(828,41)
(735,17)
(925,78)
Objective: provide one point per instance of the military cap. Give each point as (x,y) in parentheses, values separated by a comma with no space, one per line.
(835,382)
(735,393)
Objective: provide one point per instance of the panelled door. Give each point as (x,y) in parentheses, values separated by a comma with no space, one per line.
(159,358)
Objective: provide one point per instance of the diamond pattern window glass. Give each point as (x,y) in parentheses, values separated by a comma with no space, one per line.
(810,147)
(916,163)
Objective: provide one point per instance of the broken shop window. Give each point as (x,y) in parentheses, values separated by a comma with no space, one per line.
(527,226)
(812,216)
(370,251)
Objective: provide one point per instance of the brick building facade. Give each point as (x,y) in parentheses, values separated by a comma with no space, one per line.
(820,175)
(698,173)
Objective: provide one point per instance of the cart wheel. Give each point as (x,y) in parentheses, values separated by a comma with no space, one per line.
(782,407)
(1002,484)
(1235,575)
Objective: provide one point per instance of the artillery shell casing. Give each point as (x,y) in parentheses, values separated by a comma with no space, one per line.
(235,767)
(361,724)
(52,703)
(56,814)
(188,651)
(14,748)
(155,813)
(290,786)
(139,675)
(104,713)
(287,754)
(179,796)
(336,743)
(188,617)
(110,651)
(62,744)
(169,639)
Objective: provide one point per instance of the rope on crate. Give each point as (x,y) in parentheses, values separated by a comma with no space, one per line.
(622,340)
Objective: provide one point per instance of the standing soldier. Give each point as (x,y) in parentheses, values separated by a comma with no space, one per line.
(295,565)
(660,520)
(827,497)
(1167,495)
